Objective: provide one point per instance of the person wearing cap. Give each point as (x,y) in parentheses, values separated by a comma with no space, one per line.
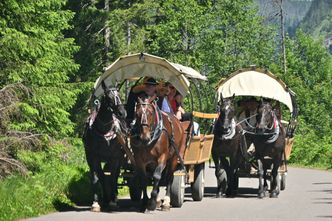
(148,88)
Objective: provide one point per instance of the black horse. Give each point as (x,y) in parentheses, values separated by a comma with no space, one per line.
(104,134)
(269,142)
(229,142)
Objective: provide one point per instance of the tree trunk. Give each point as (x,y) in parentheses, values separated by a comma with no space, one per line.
(107,35)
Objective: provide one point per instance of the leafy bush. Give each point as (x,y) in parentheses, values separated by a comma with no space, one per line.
(52,172)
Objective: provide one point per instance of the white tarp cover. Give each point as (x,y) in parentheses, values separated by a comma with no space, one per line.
(142,65)
(255,82)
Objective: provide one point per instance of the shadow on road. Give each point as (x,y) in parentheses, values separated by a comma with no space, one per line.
(243,192)
(328,217)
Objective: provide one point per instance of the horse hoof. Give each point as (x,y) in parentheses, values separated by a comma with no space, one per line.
(261,195)
(113,205)
(165,208)
(144,210)
(221,195)
(95,207)
(152,205)
(274,195)
(159,203)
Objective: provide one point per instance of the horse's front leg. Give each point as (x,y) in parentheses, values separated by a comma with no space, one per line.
(274,179)
(265,168)
(143,187)
(96,174)
(112,186)
(152,204)
(226,176)
(261,191)
(233,177)
(215,158)
(220,175)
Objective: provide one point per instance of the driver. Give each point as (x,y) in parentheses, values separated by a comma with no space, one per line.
(148,88)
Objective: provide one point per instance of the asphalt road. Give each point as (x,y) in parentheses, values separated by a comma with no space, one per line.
(308,196)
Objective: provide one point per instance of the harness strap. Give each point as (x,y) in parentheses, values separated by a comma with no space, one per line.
(173,144)
(159,127)
(243,145)
(276,129)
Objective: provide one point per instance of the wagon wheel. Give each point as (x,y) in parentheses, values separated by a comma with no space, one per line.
(197,187)
(135,191)
(177,190)
(282,181)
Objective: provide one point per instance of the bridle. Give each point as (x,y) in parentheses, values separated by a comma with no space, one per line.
(113,107)
(274,128)
(233,124)
(158,125)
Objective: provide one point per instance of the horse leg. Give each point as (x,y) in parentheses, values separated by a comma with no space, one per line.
(143,186)
(96,174)
(152,204)
(226,183)
(218,173)
(274,180)
(115,171)
(166,206)
(261,192)
(171,167)
(234,179)
(265,168)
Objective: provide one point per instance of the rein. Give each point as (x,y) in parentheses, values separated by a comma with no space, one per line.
(275,129)
(246,120)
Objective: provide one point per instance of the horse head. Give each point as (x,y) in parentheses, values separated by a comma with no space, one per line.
(265,118)
(146,117)
(113,101)
(227,114)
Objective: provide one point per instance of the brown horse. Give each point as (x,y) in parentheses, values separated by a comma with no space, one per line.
(229,142)
(269,142)
(155,148)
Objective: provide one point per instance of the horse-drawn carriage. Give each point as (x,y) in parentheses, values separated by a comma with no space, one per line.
(264,139)
(184,152)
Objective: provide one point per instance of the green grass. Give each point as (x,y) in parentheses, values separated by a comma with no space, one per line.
(59,182)
(36,194)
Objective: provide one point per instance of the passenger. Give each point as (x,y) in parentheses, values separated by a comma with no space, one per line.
(248,111)
(182,115)
(171,97)
(162,92)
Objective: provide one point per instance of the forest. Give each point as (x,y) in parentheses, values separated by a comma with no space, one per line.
(51,52)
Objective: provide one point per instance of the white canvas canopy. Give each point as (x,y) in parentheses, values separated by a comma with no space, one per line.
(145,65)
(256,82)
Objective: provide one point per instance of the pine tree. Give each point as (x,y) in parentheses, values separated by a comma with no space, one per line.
(34,51)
